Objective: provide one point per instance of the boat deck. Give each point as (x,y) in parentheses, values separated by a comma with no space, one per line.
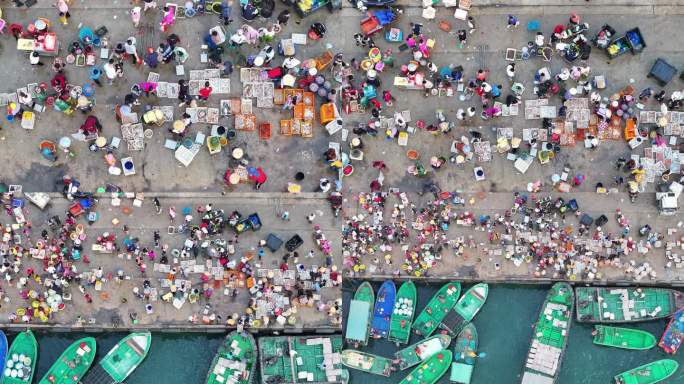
(614,305)
(97,375)
(673,336)
(307,365)
(128,356)
(550,336)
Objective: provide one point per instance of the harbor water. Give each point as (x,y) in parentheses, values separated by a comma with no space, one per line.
(173,358)
(504,326)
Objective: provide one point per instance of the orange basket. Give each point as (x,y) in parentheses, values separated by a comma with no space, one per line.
(327,113)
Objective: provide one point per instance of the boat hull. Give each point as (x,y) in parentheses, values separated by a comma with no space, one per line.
(384,306)
(360,315)
(366,362)
(245,353)
(624,338)
(421,351)
(550,336)
(651,373)
(24,344)
(431,370)
(674,333)
(436,309)
(74,362)
(465,354)
(402,316)
(606,305)
(279,359)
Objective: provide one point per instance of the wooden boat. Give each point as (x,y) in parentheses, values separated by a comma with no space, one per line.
(287,359)
(550,337)
(421,351)
(20,365)
(402,316)
(3,348)
(236,360)
(626,305)
(367,362)
(358,320)
(625,338)
(465,309)
(436,309)
(465,353)
(430,371)
(650,373)
(384,306)
(121,360)
(72,364)
(674,333)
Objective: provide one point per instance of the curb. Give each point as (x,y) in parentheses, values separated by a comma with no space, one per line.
(213,195)
(167,328)
(514,280)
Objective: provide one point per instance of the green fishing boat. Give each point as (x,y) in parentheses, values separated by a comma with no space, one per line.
(421,351)
(465,309)
(301,359)
(437,308)
(360,314)
(626,305)
(465,353)
(72,364)
(431,370)
(367,362)
(236,360)
(121,360)
(650,373)
(550,337)
(402,317)
(624,338)
(21,360)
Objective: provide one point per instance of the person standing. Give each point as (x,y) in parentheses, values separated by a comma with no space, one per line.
(205,92)
(471,24)
(513,22)
(95,74)
(183,93)
(63,9)
(283,17)
(131,49)
(34,59)
(110,71)
(149,4)
(462,38)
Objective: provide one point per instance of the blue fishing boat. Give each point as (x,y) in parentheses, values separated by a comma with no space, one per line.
(3,349)
(674,333)
(384,306)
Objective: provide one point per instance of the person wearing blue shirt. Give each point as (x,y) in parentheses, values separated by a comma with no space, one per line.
(496,91)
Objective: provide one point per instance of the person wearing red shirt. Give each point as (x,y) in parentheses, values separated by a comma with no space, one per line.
(205,92)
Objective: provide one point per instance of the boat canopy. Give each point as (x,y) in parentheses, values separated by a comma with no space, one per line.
(461,373)
(534,378)
(357,322)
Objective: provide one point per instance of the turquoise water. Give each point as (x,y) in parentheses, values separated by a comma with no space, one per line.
(173,359)
(505,325)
